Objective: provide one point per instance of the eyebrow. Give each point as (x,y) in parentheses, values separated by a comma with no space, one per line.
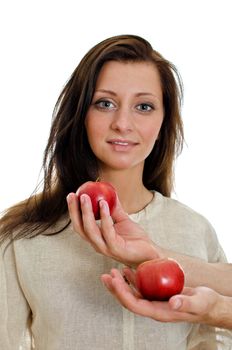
(138,94)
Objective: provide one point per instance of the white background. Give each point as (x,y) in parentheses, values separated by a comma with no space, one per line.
(43,41)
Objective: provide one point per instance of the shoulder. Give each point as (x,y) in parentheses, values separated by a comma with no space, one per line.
(179,211)
(189,224)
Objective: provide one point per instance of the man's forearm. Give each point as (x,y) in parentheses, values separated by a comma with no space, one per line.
(217,276)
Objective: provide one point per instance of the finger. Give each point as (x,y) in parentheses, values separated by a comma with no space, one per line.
(107,281)
(186,303)
(107,229)
(75,214)
(86,209)
(129,275)
(119,213)
(176,302)
(91,229)
(115,275)
(116,284)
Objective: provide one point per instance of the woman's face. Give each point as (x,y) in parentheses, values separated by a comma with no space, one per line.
(126,114)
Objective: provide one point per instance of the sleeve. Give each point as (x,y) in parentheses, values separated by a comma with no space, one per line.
(205,337)
(15,315)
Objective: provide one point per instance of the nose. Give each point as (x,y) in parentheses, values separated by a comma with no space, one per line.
(122,120)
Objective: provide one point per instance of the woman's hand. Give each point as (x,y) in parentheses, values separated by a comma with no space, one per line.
(196,305)
(117,237)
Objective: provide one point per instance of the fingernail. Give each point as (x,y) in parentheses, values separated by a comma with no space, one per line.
(176,304)
(83,199)
(103,204)
(68,198)
(105,283)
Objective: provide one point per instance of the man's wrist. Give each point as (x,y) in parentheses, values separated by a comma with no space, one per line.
(221,315)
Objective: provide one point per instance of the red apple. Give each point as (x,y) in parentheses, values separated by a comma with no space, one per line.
(97,191)
(159,279)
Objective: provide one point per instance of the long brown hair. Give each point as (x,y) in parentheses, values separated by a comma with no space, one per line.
(68,159)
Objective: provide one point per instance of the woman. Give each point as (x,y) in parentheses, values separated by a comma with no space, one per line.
(117,118)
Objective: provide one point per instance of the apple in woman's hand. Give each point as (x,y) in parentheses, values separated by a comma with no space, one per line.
(98,191)
(159,279)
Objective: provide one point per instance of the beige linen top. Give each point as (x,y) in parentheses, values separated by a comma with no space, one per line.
(51,296)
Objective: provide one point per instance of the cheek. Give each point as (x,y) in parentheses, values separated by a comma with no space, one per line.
(151,134)
(94,131)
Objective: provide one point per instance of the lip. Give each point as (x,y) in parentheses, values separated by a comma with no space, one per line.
(122,142)
(122,145)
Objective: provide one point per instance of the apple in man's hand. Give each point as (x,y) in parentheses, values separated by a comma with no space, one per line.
(159,279)
(98,191)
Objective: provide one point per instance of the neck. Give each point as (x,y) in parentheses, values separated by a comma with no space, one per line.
(133,195)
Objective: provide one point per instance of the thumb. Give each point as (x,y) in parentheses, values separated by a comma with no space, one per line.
(184,303)
(176,303)
(119,213)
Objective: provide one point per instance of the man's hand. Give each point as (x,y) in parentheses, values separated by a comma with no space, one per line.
(196,305)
